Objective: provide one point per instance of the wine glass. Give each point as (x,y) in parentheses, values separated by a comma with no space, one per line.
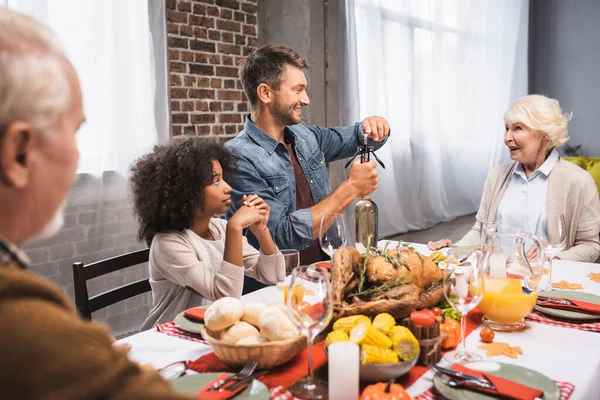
(463,288)
(291,259)
(332,233)
(310,321)
(554,245)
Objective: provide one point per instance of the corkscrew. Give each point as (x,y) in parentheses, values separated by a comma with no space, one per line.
(365,150)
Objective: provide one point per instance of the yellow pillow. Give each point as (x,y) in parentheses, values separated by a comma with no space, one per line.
(581,161)
(594,170)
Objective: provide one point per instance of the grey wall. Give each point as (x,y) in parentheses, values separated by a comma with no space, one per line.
(311,27)
(565,63)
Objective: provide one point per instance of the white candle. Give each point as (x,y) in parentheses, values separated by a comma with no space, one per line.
(344,366)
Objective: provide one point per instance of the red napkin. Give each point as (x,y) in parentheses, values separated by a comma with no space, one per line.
(197,314)
(284,375)
(506,387)
(324,264)
(222,394)
(581,306)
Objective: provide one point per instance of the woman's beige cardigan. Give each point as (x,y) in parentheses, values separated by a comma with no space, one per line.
(571,191)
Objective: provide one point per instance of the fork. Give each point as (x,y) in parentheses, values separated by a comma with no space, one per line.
(244,373)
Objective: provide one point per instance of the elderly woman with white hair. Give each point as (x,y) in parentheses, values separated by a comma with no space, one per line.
(539,181)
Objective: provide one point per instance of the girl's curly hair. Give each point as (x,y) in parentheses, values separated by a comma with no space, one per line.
(168,184)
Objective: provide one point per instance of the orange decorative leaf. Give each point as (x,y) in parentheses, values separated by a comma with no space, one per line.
(594,276)
(564,285)
(501,349)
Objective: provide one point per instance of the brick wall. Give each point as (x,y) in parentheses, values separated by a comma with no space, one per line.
(98,224)
(206,40)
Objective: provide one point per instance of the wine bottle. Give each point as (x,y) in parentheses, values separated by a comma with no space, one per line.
(366,214)
(366,217)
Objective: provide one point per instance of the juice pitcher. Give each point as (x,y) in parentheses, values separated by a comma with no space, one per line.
(512,268)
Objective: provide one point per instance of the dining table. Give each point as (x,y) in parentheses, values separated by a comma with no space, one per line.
(559,352)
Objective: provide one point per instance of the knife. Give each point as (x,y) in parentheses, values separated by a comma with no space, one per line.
(479,381)
(545,299)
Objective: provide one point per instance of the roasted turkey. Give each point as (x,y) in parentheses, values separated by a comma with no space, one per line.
(396,281)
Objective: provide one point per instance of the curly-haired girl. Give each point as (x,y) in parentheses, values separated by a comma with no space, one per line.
(194,257)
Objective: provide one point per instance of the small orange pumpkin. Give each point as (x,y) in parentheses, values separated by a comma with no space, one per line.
(385,391)
(451,328)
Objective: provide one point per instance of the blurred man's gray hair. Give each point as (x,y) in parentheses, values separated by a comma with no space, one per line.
(34,87)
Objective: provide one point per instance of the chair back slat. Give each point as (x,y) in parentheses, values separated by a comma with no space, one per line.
(121,293)
(103,267)
(82,273)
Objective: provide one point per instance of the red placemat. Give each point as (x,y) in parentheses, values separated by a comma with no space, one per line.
(566,389)
(542,319)
(169,328)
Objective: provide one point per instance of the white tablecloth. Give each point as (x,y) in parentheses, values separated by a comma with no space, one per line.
(562,354)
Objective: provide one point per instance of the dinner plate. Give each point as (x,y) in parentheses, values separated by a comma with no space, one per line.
(515,373)
(191,384)
(565,314)
(189,325)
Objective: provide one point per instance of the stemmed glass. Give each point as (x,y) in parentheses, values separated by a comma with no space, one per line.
(310,322)
(551,247)
(291,259)
(463,288)
(332,233)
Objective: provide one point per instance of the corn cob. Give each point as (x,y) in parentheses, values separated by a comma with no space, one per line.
(336,336)
(347,323)
(377,355)
(404,342)
(434,255)
(384,322)
(366,334)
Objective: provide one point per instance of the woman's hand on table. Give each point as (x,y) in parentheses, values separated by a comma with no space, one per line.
(440,244)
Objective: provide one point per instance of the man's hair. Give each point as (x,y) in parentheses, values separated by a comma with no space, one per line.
(266,65)
(168,184)
(34,85)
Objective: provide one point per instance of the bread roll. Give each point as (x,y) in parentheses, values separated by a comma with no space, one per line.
(238,331)
(256,339)
(252,311)
(275,324)
(223,313)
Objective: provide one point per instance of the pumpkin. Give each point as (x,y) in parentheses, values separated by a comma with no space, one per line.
(384,391)
(451,328)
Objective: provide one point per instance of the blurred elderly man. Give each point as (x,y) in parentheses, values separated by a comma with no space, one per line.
(47,351)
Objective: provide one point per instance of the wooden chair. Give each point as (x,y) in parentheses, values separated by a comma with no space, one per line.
(82,273)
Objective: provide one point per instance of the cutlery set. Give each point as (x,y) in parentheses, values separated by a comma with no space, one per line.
(460,379)
(242,378)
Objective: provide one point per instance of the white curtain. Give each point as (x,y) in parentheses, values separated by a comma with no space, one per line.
(443,72)
(119,50)
(111,47)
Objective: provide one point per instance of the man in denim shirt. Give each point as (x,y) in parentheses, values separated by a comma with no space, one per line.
(285,162)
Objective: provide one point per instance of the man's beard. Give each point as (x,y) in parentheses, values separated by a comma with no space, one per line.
(284,114)
(55,224)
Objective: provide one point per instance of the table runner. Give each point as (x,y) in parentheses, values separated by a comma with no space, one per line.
(542,319)
(566,389)
(169,328)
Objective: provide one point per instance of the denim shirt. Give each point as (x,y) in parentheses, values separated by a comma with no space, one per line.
(264,167)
